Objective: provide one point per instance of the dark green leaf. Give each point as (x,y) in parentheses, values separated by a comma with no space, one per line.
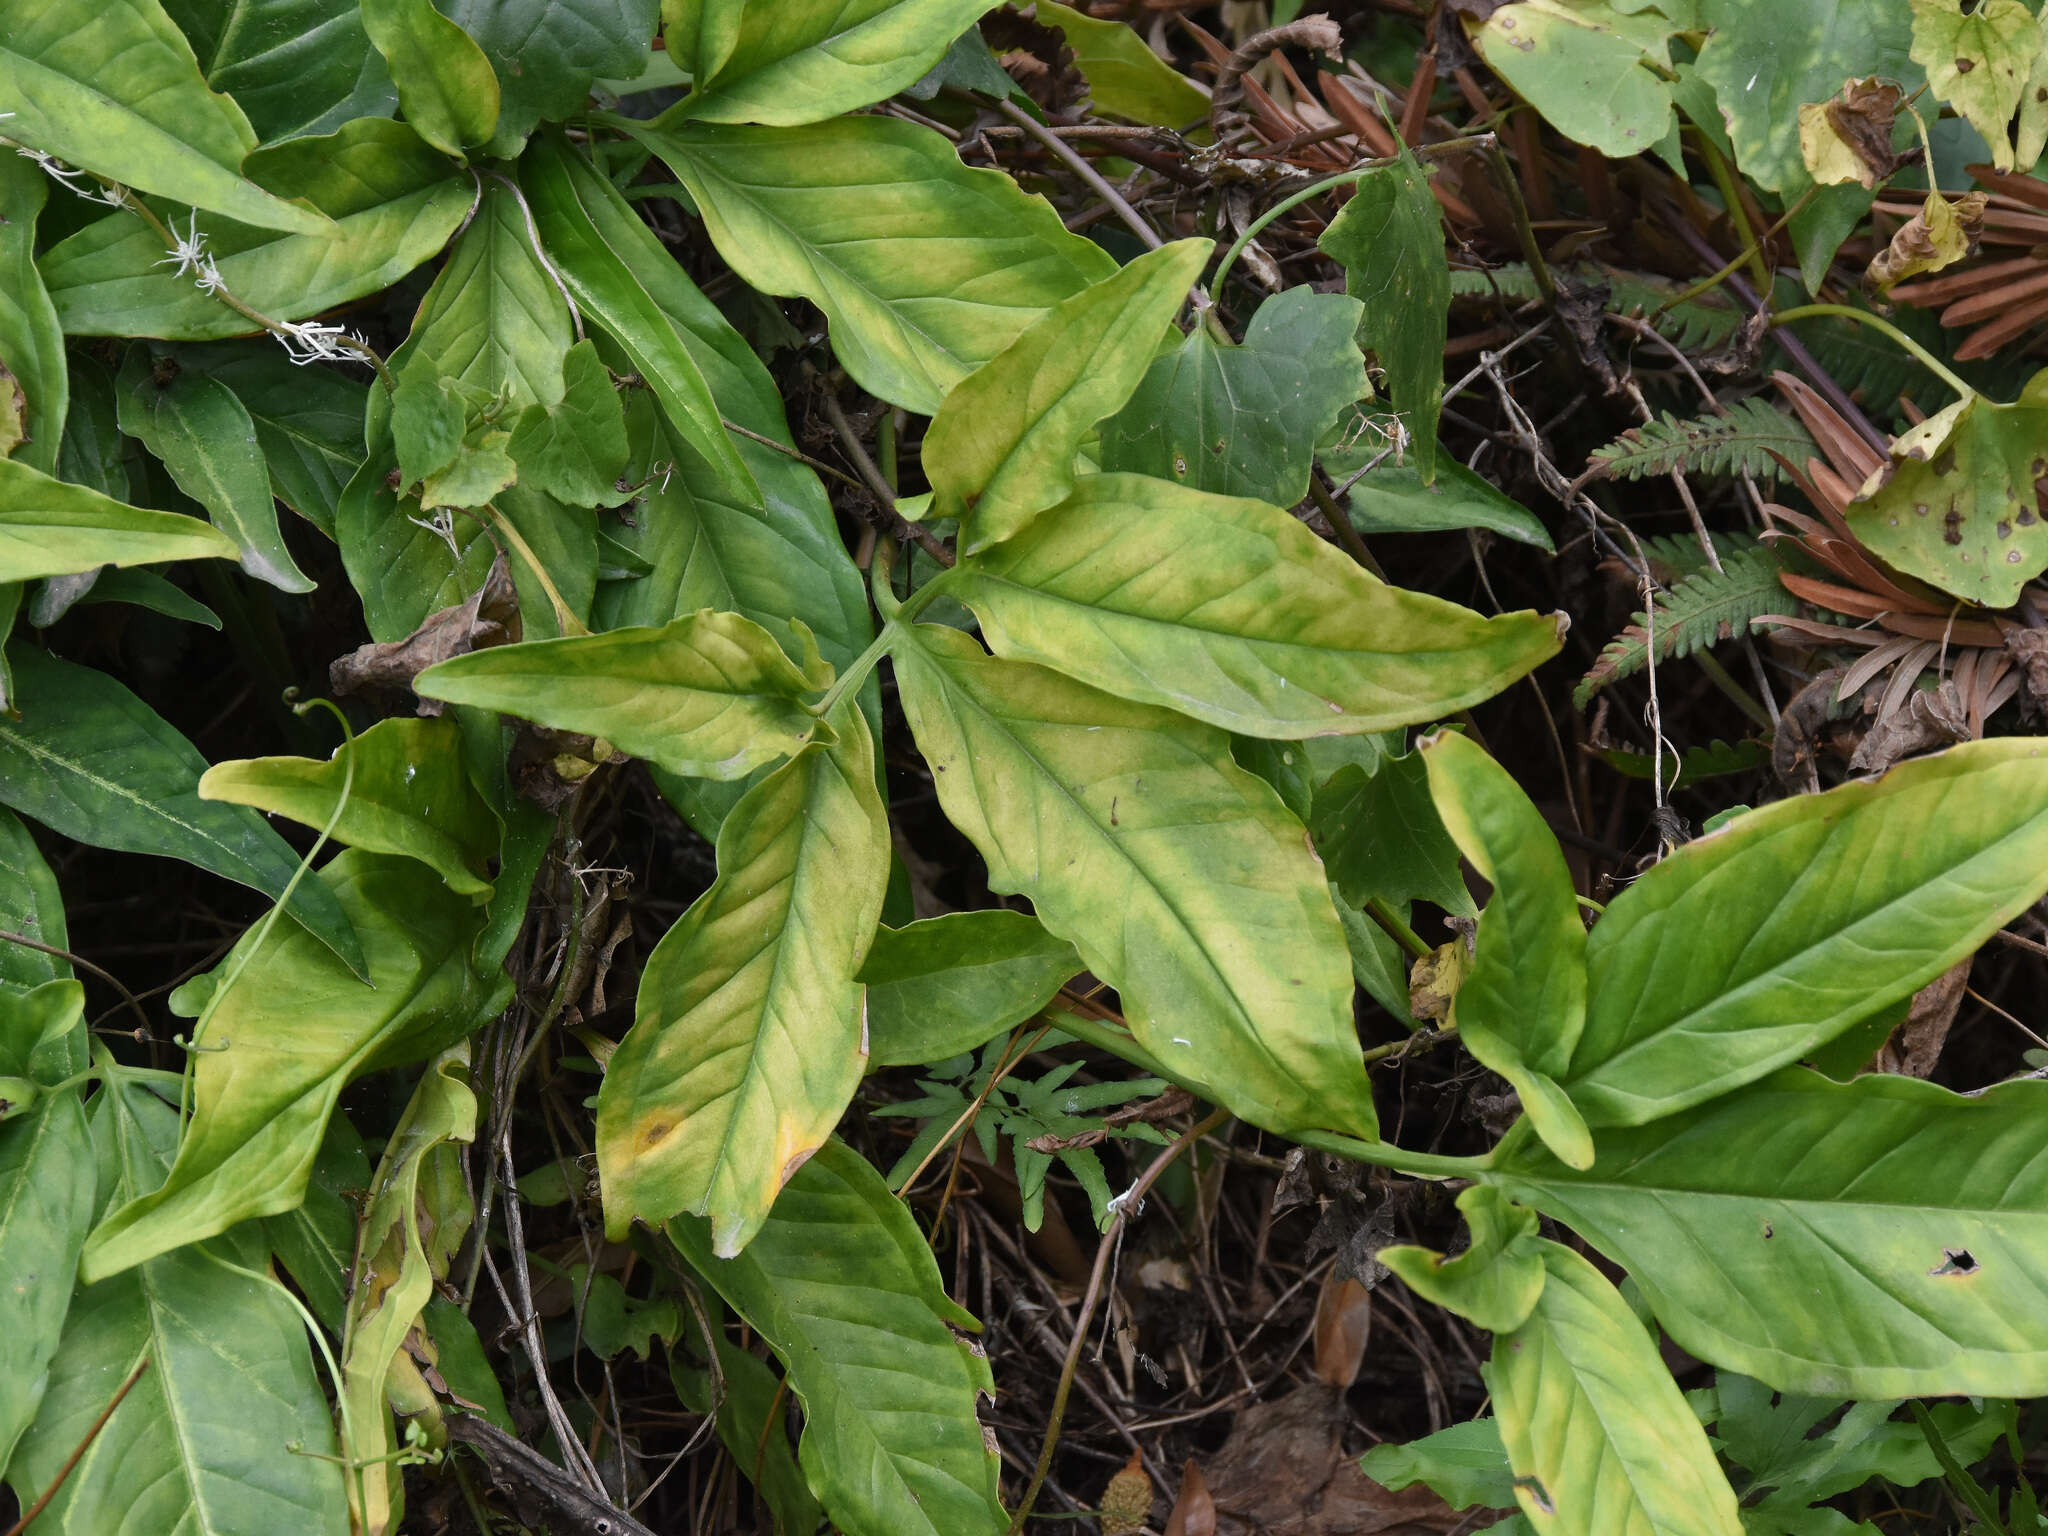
(31,906)
(31,341)
(46,1200)
(294,66)
(546,53)
(1389,238)
(1379,835)
(575,450)
(1244,420)
(950,984)
(1393,499)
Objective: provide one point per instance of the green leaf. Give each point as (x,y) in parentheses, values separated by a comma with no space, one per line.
(392,201)
(1389,238)
(746,1042)
(31,906)
(1596,1431)
(445,83)
(760,1449)
(31,340)
(710,695)
(1378,964)
(1178,876)
(1752,437)
(410,796)
(200,1443)
(843,1287)
(1232,612)
(1125,77)
(1959,501)
(821,212)
(409,1233)
(1379,834)
(1003,442)
(309,422)
(1596,74)
(1978,63)
(802,61)
(46,1201)
(296,67)
(293,1030)
(51,528)
(1463,1465)
(42,1033)
(1244,420)
(118,91)
(203,433)
(953,983)
(1704,609)
(546,53)
(93,451)
(1801,918)
(1767,58)
(1522,1003)
(1875,1238)
(575,451)
(621,274)
(92,762)
(1393,499)
(1496,1281)
(316,1242)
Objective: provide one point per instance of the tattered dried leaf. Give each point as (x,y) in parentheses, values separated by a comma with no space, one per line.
(1916,1044)
(1939,235)
(1848,138)
(491,617)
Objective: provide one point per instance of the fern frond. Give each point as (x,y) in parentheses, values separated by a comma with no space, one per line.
(1705,608)
(1674,556)
(1715,760)
(1743,440)
(1705,321)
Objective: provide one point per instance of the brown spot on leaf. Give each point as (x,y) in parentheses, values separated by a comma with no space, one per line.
(1952,527)
(655,1132)
(2004,529)
(1958,1262)
(1964,66)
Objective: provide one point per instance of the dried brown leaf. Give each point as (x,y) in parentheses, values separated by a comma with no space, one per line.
(489,618)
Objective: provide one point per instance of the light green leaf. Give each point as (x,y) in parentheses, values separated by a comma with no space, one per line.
(1596,74)
(820,212)
(31,339)
(1463,1465)
(1389,238)
(710,695)
(802,61)
(1767,58)
(546,53)
(1522,1003)
(316,1242)
(1879,1238)
(747,1040)
(625,279)
(1957,502)
(51,528)
(117,90)
(427,421)
(31,906)
(575,451)
(203,433)
(475,476)
(295,1029)
(1178,876)
(953,983)
(1745,949)
(1496,1281)
(444,81)
(410,796)
(1125,78)
(403,1249)
(392,201)
(92,762)
(1978,63)
(1599,1437)
(1232,612)
(1393,499)
(295,67)
(46,1200)
(200,1444)
(841,1284)
(1244,420)
(1004,440)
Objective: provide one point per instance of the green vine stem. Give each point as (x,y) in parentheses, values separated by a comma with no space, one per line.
(1878,323)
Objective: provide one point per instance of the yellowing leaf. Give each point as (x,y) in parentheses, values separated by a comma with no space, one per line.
(1848,138)
(749,1035)
(1001,448)
(1963,500)
(1978,62)
(1939,235)
(1179,877)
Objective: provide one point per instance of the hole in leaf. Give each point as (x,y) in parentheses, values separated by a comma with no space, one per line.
(1538,1495)
(1955,1261)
